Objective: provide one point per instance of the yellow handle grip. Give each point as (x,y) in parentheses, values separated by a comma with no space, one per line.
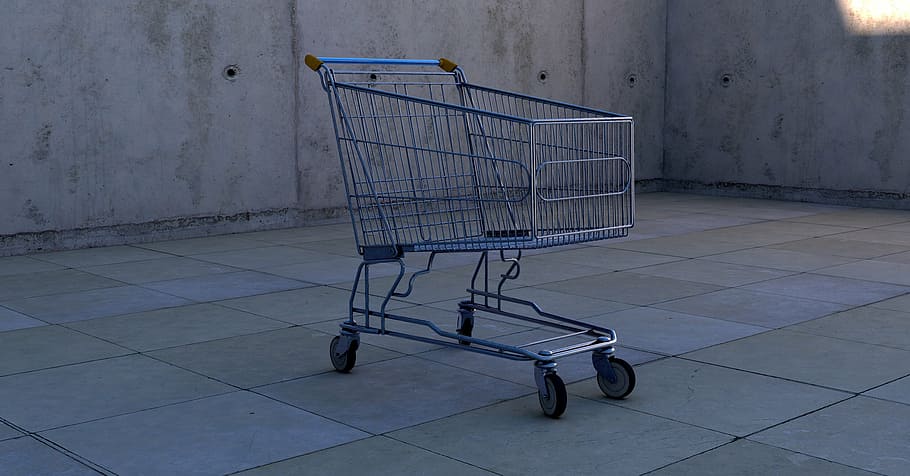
(447,65)
(313,62)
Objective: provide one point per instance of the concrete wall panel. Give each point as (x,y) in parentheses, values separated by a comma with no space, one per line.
(117,111)
(625,64)
(780,94)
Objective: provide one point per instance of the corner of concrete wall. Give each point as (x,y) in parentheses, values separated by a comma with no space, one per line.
(780,99)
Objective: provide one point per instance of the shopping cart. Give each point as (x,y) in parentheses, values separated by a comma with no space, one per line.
(435,164)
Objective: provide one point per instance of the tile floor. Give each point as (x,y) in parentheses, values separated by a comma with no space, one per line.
(768,338)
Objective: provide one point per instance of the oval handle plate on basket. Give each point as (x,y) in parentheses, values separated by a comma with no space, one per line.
(583,178)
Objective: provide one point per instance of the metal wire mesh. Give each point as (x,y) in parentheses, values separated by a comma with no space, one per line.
(434,165)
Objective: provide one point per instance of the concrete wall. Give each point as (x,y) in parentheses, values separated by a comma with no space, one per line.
(781,99)
(625,70)
(117,123)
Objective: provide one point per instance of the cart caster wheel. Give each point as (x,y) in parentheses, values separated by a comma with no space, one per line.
(345,361)
(465,325)
(554,404)
(625,380)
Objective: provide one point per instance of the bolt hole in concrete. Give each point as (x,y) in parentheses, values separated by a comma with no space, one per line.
(373,77)
(631,79)
(726,80)
(542,76)
(231,72)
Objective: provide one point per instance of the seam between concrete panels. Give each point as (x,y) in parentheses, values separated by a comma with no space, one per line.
(295,62)
(663,112)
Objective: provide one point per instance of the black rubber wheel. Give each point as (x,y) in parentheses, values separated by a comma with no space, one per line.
(625,380)
(466,329)
(554,405)
(343,362)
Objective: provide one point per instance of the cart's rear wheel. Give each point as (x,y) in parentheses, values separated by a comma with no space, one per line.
(554,403)
(625,380)
(344,361)
(465,324)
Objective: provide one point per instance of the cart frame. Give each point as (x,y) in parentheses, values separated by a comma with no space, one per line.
(431,174)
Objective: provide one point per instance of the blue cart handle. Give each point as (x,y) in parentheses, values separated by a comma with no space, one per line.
(316,62)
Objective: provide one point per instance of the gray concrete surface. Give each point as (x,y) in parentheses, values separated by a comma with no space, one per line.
(784,99)
(728,381)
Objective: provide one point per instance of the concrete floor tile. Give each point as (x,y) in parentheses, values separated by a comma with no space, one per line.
(829,288)
(899,227)
(99,256)
(866,324)
(794,228)
(210,244)
(218,287)
(335,270)
(754,308)
(343,246)
(861,432)
(878,235)
(25,265)
(7,432)
(730,401)
(11,320)
(71,307)
(515,438)
(262,257)
(750,208)
(870,270)
(744,236)
(571,369)
(818,360)
(45,283)
(899,303)
(780,259)
(700,221)
(841,247)
(269,357)
(712,272)
(903,258)
(378,456)
(748,458)
(29,457)
(175,326)
(683,246)
(671,333)
(299,306)
(162,269)
(216,435)
(78,393)
(304,234)
(44,347)
(857,217)
(372,396)
(631,288)
(562,304)
(897,391)
(609,259)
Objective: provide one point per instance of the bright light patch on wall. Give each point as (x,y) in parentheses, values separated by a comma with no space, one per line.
(876,17)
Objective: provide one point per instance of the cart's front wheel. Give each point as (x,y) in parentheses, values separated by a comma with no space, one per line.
(554,403)
(465,324)
(343,362)
(625,380)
